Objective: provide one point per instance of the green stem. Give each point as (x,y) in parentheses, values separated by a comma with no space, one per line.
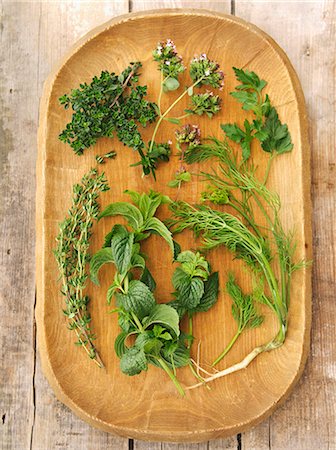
(137,321)
(269,163)
(190,329)
(161,90)
(171,376)
(162,116)
(248,220)
(227,348)
(180,117)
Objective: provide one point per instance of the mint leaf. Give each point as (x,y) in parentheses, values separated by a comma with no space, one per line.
(165,315)
(176,354)
(133,361)
(180,278)
(209,298)
(148,279)
(178,308)
(119,344)
(100,258)
(191,292)
(121,246)
(138,299)
(194,264)
(111,291)
(158,227)
(130,212)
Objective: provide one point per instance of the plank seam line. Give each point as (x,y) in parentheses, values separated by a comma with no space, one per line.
(233,7)
(33,380)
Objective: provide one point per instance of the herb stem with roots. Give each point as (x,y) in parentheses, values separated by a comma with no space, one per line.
(241,365)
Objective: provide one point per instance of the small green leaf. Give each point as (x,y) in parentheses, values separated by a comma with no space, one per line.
(173,120)
(233,132)
(190,91)
(171,84)
(119,344)
(154,224)
(163,314)
(121,246)
(174,183)
(130,212)
(209,298)
(148,279)
(191,292)
(133,361)
(100,258)
(278,137)
(110,292)
(138,299)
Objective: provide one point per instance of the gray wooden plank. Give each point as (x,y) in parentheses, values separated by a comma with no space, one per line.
(306,31)
(62,24)
(18,120)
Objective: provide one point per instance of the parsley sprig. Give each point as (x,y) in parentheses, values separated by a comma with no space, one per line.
(266,127)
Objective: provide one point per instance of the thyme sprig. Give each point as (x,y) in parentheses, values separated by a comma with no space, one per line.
(72,257)
(110,104)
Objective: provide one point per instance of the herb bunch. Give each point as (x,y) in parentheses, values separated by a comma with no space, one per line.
(267,250)
(266,127)
(110,104)
(203,72)
(155,328)
(72,257)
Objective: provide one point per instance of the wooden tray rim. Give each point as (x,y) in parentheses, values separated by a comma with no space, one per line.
(47,368)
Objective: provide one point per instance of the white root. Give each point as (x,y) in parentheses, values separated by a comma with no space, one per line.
(241,365)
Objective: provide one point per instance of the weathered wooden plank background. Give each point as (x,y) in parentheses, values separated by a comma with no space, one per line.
(34,35)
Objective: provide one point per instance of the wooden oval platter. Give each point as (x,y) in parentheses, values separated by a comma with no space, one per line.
(147,406)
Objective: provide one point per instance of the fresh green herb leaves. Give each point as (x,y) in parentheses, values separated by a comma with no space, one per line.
(267,128)
(277,136)
(156,327)
(243,311)
(141,217)
(179,179)
(72,257)
(111,104)
(196,290)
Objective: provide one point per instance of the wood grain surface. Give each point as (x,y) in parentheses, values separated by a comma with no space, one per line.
(135,406)
(31,417)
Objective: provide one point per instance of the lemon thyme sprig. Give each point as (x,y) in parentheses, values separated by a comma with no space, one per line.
(72,257)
